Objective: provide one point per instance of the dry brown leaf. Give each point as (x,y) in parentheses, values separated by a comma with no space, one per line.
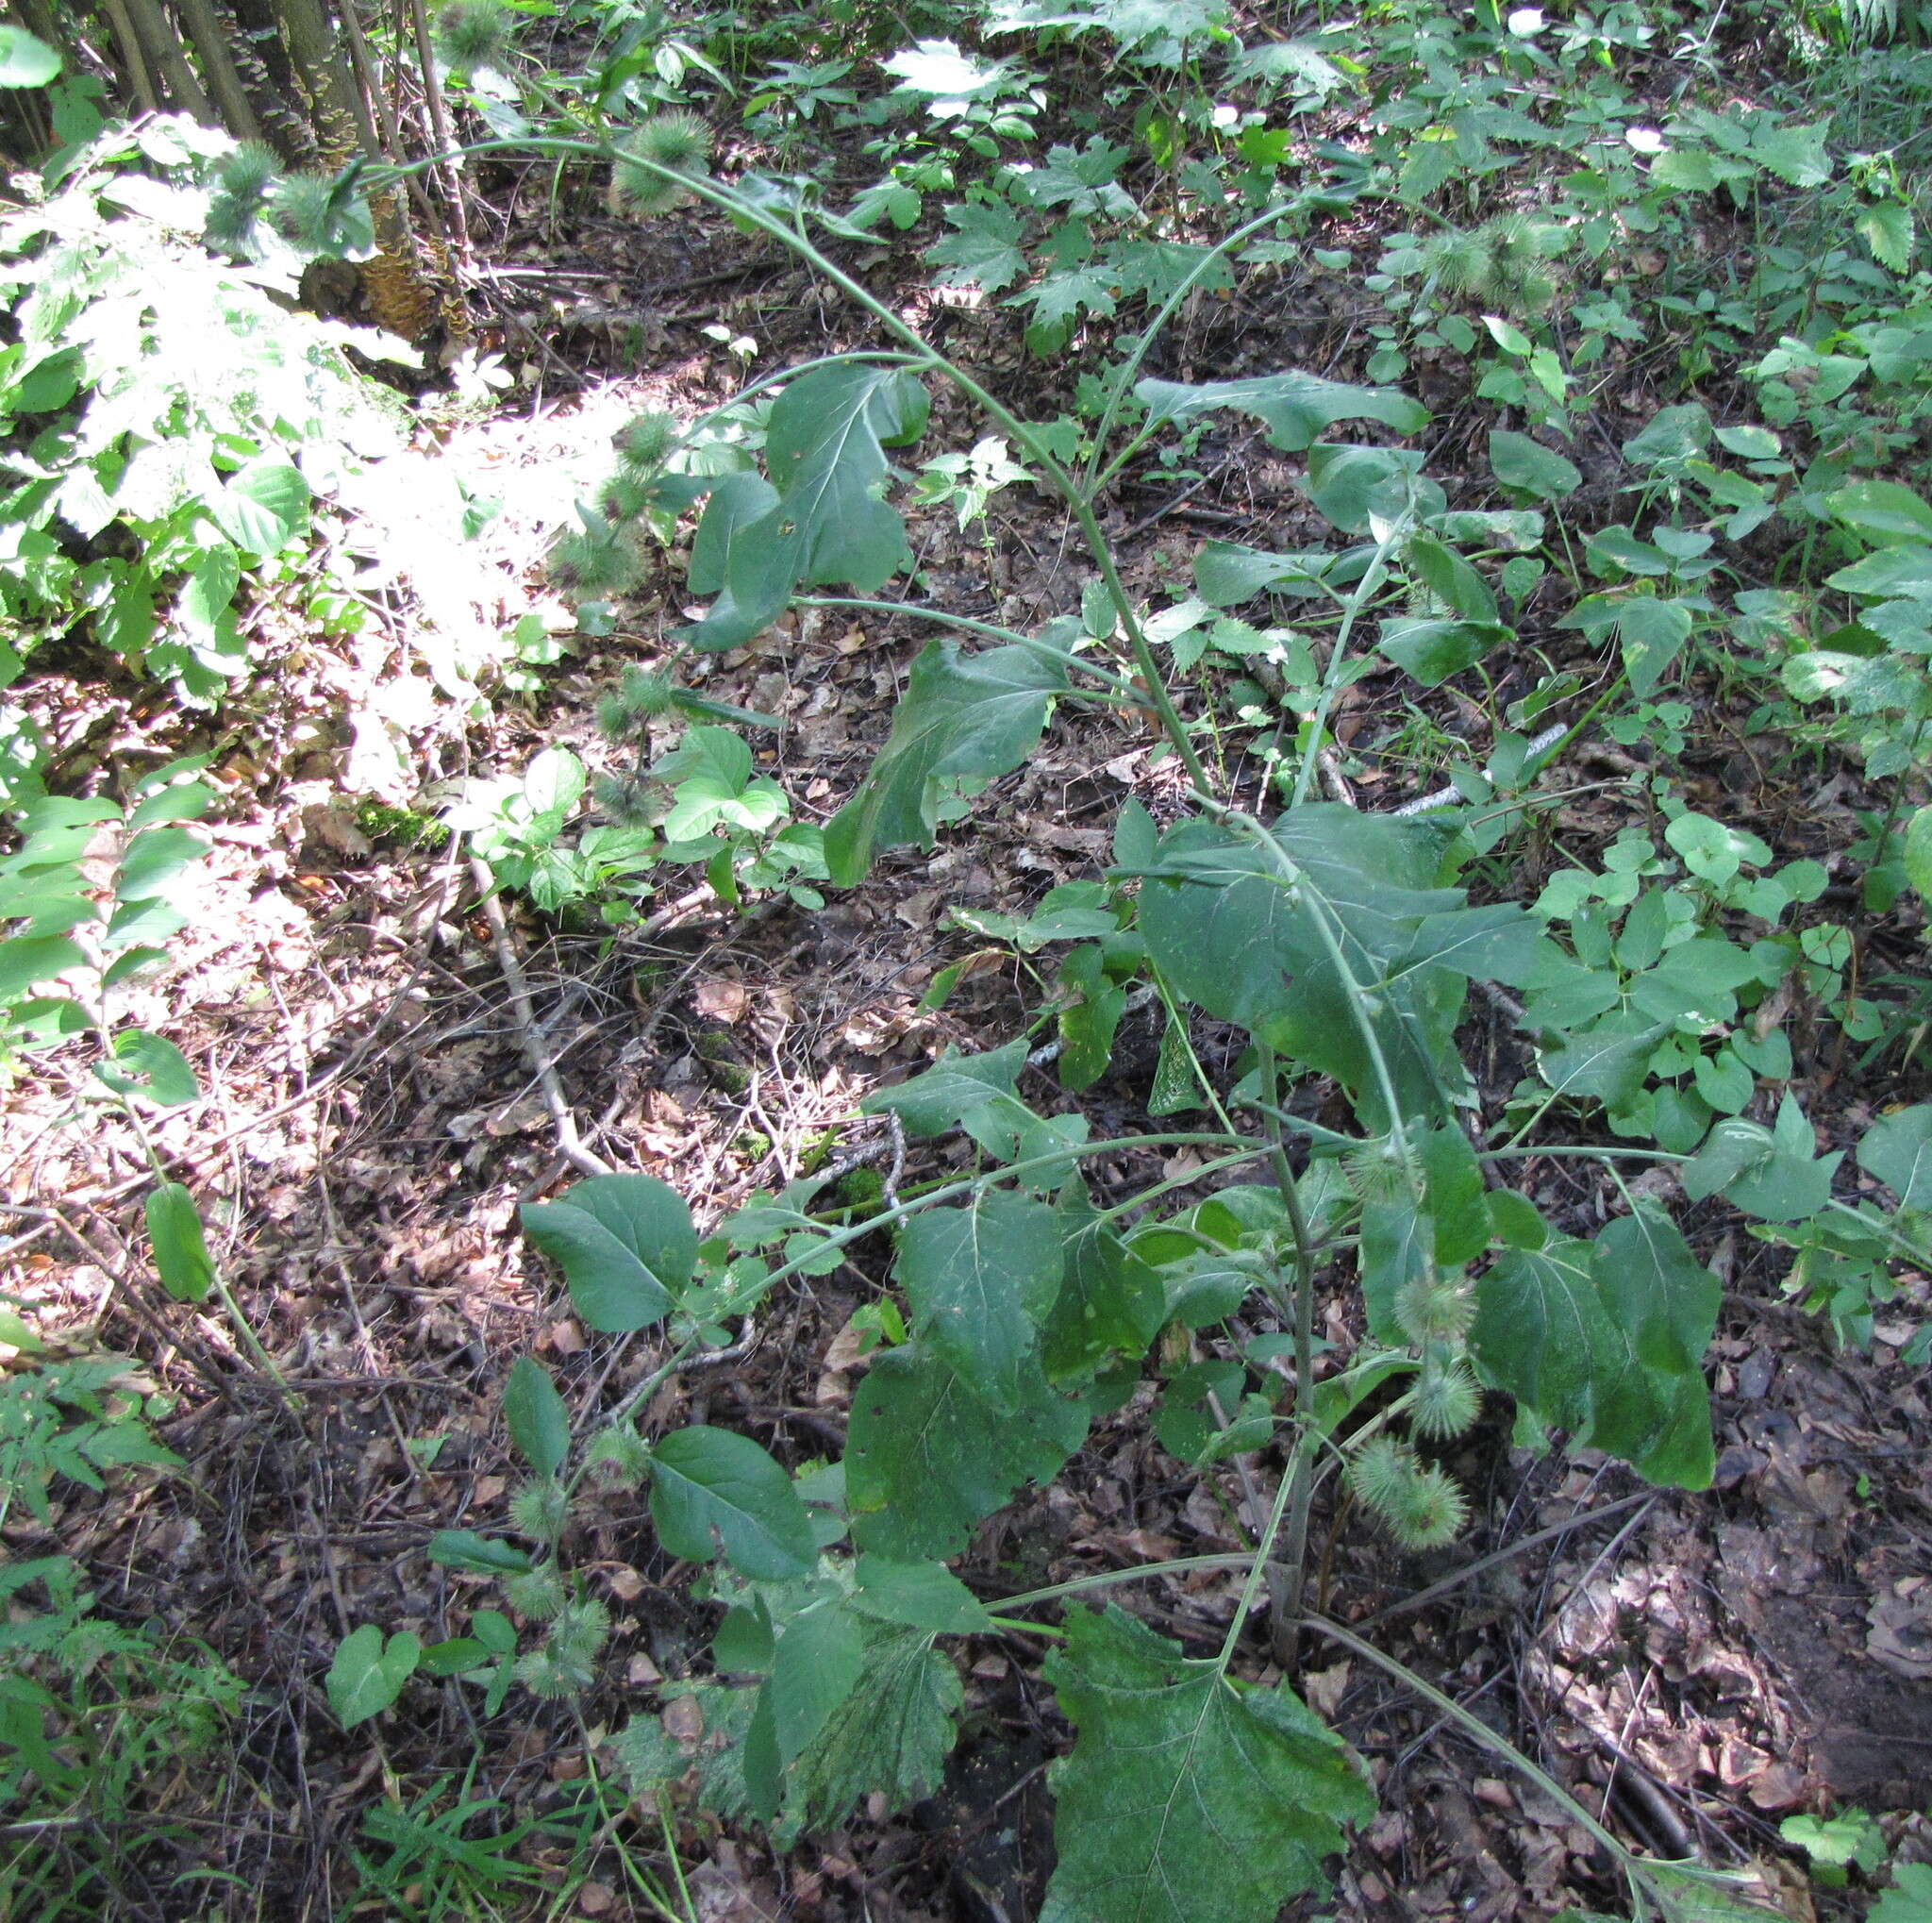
(1324,1689)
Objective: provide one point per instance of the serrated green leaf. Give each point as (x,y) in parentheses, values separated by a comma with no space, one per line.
(964,720)
(1886,227)
(1231,936)
(1606,1340)
(179,1244)
(980,1279)
(1186,1797)
(539,1423)
(927,1461)
(984,252)
(889,1735)
(817,1665)
(1795,154)
(706,1480)
(1295,407)
(625,1245)
(921,1596)
(368,1673)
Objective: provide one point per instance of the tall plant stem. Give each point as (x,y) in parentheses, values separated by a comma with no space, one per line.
(1372,576)
(1285,1590)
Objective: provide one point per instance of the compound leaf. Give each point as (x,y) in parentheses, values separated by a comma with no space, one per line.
(964,720)
(706,1480)
(1185,1796)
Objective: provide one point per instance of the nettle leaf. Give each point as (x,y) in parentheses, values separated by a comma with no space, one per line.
(927,1461)
(825,452)
(1606,1340)
(1898,1152)
(980,1280)
(539,1423)
(1295,407)
(368,1674)
(1186,1795)
(1232,937)
(706,1480)
(964,720)
(625,1245)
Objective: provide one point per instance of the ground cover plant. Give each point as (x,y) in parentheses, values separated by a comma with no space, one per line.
(1377,1120)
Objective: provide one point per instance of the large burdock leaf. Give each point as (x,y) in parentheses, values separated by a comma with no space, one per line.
(1231,933)
(825,451)
(712,1488)
(625,1245)
(1295,407)
(965,719)
(981,1281)
(926,1460)
(1187,1796)
(1606,1340)
(888,1736)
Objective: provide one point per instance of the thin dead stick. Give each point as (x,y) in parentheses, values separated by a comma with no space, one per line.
(569,1144)
(1508,1553)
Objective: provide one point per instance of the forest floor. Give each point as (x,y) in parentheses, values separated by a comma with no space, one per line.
(1696,1667)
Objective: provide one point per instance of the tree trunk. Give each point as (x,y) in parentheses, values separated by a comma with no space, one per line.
(212,36)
